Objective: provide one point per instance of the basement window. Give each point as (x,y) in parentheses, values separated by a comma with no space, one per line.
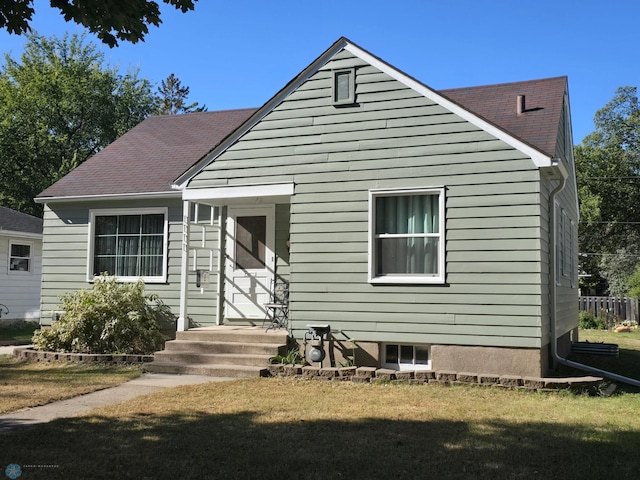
(407,357)
(344,86)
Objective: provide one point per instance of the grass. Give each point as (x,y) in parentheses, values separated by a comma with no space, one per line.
(17,332)
(628,362)
(279,428)
(27,384)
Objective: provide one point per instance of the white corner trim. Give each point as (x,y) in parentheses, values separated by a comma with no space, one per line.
(539,158)
(240,191)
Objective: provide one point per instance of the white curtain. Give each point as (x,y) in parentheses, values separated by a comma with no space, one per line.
(401,221)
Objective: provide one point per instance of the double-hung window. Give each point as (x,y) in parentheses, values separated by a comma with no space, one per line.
(19,257)
(406,229)
(129,244)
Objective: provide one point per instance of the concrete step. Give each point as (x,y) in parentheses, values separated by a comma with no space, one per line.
(228,371)
(271,349)
(212,358)
(234,335)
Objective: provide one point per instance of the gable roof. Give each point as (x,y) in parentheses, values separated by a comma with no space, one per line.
(531,137)
(185,144)
(12,221)
(147,158)
(538,124)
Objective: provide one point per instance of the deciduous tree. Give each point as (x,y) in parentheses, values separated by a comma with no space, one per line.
(608,170)
(110,20)
(60,104)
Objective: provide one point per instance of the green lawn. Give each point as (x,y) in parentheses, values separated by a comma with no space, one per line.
(627,364)
(19,332)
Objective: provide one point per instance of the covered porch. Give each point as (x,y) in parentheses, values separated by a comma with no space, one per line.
(235,249)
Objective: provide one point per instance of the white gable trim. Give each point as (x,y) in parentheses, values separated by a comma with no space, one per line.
(540,159)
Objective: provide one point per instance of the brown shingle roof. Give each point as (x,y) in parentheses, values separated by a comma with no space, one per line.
(538,125)
(150,156)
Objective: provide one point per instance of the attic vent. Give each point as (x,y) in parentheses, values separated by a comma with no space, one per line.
(520,107)
(344,86)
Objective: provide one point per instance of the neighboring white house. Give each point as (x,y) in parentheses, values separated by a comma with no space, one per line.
(20,265)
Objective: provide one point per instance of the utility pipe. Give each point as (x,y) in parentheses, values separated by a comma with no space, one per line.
(554,295)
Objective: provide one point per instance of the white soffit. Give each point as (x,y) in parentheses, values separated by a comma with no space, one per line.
(240,191)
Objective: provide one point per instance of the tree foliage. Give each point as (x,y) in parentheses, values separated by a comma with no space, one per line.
(608,171)
(110,20)
(59,104)
(171,98)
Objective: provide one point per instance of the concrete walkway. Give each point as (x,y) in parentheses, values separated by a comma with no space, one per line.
(144,384)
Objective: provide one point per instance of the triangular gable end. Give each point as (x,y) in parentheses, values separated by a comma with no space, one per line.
(539,158)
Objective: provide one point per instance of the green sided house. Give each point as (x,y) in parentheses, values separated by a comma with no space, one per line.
(412,228)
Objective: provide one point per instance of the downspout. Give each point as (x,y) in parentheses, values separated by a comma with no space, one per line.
(554,295)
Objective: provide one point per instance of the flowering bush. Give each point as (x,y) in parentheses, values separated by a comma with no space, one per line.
(112,317)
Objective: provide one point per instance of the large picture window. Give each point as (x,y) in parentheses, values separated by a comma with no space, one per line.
(407,236)
(129,244)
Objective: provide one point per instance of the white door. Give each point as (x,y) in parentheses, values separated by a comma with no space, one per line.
(250,263)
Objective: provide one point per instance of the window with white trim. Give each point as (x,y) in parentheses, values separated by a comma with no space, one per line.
(407,235)
(19,257)
(407,357)
(130,244)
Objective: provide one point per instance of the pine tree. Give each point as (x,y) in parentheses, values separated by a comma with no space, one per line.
(171,98)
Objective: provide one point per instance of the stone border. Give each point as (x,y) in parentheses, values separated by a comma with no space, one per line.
(37,355)
(421,377)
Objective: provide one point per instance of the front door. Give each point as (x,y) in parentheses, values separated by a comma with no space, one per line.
(250,263)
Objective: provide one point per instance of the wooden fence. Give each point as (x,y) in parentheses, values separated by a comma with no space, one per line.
(623,308)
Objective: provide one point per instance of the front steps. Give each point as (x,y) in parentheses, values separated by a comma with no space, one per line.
(223,351)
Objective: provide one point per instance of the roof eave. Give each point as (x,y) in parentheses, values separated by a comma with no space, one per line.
(115,196)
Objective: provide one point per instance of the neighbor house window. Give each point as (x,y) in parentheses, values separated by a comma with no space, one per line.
(344,86)
(564,243)
(19,257)
(406,236)
(407,357)
(129,244)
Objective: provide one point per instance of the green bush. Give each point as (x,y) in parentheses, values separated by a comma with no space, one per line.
(589,321)
(112,317)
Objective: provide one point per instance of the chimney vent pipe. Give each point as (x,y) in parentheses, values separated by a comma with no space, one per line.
(520,108)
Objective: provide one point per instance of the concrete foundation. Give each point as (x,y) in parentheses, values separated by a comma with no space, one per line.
(523,362)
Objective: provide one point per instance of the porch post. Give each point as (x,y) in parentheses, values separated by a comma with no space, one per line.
(222,238)
(183,323)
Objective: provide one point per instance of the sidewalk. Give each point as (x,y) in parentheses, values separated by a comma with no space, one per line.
(144,384)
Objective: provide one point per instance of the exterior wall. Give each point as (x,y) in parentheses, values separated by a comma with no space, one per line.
(65,252)
(567,284)
(393,137)
(20,291)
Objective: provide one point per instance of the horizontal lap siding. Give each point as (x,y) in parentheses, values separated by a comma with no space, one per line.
(20,291)
(65,257)
(397,138)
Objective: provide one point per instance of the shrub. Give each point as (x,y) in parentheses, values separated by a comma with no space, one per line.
(112,317)
(589,321)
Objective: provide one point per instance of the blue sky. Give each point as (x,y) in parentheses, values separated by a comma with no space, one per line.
(235,54)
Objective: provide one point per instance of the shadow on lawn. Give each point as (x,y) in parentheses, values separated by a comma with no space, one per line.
(199,446)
